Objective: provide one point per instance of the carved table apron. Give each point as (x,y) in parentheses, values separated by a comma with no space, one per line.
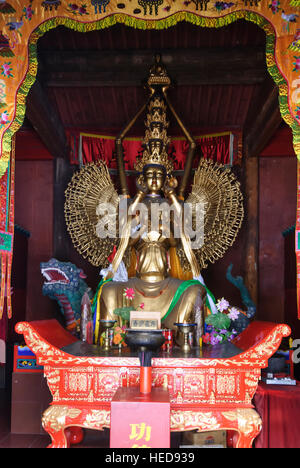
(211,389)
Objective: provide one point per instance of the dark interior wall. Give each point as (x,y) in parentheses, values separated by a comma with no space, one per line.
(277,212)
(34,212)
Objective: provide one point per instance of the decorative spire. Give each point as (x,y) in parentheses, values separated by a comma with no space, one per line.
(156,141)
(158,75)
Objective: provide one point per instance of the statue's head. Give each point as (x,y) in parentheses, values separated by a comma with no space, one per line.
(154,177)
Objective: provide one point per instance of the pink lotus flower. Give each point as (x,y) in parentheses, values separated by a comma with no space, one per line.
(129,293)
(142,305)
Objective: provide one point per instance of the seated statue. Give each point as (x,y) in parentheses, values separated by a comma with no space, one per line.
(153,286)
(163,255)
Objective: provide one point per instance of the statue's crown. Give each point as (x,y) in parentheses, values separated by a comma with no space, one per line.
(156,141)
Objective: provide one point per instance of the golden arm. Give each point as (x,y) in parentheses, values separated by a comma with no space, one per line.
(186,242)
(125,236)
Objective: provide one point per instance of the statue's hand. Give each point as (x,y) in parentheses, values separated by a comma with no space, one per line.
(142,189)
(170,186)
(109,275)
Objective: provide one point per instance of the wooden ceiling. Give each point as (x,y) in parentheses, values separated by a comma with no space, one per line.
(92,81)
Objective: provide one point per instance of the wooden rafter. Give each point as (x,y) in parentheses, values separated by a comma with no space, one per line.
(263,119)
(237,65)
(46,122)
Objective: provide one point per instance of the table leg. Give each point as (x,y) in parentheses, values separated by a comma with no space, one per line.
(75,435)
(64,423)
(248,426)
(54,422)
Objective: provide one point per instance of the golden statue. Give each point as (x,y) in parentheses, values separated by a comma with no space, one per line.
(162,264)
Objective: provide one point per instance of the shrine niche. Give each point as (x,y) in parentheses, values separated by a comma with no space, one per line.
(193,373)
(84,382)
(19,72)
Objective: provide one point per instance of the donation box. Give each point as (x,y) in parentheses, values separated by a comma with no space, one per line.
(140,420)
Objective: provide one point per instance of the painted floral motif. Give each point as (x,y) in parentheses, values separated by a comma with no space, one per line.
(99,5)
(7,70)
(298,113)
(295,45)
(296,64)
(4,118)
(28,11)
(77,9)
(221,6)
(275,6)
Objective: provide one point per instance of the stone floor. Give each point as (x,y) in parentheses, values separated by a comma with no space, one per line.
(92,439)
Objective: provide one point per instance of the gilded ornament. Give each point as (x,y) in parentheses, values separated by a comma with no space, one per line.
(55,417)
(97,419)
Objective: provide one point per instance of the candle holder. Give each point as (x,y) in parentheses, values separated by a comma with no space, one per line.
(186,328)
(107,324)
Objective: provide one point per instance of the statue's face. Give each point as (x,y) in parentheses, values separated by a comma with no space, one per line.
(154,179)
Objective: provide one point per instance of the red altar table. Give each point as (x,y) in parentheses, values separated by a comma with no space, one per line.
(279,408)
(210,389)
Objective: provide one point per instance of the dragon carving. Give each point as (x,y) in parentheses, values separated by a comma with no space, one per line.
(65,283)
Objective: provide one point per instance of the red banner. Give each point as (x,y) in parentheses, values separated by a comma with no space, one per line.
(224,148)
(7,193)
